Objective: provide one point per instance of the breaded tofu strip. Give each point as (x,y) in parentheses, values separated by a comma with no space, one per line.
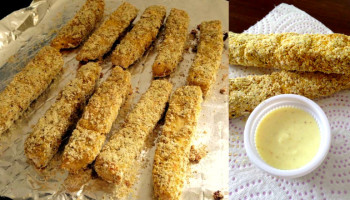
(101,41)
(328,53)
(42,144)
(141,36)
(91,130)
(207,61)
(80,27)
(28,85)
(118,157)
(171,50)
(173,148)
(248,92)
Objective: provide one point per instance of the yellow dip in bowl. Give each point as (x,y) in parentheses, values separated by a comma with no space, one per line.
(287,138)
(287,135)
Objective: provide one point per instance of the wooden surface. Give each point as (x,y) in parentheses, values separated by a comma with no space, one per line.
(335,14)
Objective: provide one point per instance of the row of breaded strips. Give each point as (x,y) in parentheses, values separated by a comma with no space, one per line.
(96,121)
(312,65)
(133,45)
(43,143)
(102,109)
(47,135)
(91,129)
(171,157)
(115,161)
(99,114)
(117,158)
(90,134)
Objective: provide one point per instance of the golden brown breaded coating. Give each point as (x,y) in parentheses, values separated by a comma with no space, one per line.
(118,156)
(28,85)
(173,148)
(141,36)
(101,41)
(103,107)
(248,92)
(328,53)
(208,58)
(42,144)
(75,181)
(80,27)
(171,50)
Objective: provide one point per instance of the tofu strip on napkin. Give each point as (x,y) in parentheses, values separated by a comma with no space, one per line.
(328,53)
(248,92)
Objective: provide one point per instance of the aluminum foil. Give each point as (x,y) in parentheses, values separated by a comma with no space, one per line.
(24,32)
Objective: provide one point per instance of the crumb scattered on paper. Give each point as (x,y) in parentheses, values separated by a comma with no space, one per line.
(222,90)
(217,195)
(224,77)
(196,154)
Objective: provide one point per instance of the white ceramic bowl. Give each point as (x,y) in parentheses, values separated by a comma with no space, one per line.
(279,101)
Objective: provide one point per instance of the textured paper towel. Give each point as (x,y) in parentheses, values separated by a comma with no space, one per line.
(332,179)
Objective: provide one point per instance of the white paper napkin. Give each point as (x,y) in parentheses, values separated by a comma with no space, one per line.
(332,179)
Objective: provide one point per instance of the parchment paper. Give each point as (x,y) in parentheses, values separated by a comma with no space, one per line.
(20,180)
